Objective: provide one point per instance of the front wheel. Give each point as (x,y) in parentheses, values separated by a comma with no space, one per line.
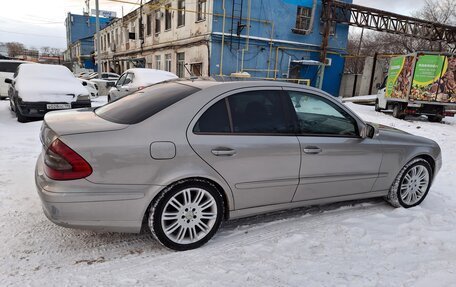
(186,215)
(377,107)
(411,184)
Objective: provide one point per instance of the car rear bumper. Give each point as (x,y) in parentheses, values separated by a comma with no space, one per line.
(39,109)
(85,205)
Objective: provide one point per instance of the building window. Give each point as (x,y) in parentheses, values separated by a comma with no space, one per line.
(168,62)
(303,18)
(201,10)
(196,69)
(168,17)
(180,13)
(180,72)
(158,15)
(158,62)
(148,25)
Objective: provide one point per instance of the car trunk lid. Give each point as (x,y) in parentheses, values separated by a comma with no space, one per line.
(75,122)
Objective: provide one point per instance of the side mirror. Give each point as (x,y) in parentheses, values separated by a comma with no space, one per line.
(8,81)
(367,131)
(84,83)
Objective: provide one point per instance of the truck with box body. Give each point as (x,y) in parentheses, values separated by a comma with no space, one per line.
(422,83)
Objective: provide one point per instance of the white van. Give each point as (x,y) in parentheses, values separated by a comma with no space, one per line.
(7,69)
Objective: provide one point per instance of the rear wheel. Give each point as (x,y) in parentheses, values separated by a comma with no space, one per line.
(186,215)
(411,184)
(398,112)
(435,119)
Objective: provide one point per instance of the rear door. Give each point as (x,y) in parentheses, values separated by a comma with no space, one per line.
(336,161)
(246,136)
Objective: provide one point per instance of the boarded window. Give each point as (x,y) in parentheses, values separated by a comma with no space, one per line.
(303,18)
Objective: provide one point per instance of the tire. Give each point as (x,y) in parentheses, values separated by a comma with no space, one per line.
(20,118)
(397,112)
(377,107)
(195,211)
(435,119)
(417,189)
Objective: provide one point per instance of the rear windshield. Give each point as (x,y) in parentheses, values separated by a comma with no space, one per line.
(139,106)
(9,67)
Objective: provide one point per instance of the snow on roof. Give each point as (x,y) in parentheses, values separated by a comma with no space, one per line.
(41,82)
(146,76)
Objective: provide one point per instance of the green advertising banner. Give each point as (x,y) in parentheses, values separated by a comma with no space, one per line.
(399,77)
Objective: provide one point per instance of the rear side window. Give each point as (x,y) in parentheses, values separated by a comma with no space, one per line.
(214,120)
(9,67)
(139,106)
(258,112)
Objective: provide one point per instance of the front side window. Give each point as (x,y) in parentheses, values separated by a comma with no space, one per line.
(180,13)
(258,112)
(128,79)
(318,116)
(121,80)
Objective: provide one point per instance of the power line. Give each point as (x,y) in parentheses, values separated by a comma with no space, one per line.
(31,34)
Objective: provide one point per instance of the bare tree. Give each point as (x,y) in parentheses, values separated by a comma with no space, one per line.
(15,49)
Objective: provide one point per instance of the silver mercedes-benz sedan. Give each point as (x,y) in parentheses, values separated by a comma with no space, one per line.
(180,157)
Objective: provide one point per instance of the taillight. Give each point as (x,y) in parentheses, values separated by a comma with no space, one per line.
(63,163)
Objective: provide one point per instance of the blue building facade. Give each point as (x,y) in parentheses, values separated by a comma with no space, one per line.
(278,39)
(82,26)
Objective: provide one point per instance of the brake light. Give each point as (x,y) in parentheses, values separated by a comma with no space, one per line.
(63,163)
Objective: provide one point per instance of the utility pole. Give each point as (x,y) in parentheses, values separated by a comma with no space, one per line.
(324,44)
(97,27)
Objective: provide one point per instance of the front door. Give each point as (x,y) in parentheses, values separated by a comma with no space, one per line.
(336,161)
(247,138)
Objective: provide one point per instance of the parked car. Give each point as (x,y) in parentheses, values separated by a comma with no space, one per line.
(7,69)
(39,88)
(136,79)
(92,88)
(179,157)
(104,76)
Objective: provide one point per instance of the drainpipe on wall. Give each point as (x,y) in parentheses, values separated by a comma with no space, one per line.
(223,39)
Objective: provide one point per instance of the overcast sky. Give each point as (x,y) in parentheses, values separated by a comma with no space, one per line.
(40,23)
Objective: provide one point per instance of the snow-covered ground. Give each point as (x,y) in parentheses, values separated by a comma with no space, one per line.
(364,243)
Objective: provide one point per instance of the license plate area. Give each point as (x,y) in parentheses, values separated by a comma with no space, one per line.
(58,106)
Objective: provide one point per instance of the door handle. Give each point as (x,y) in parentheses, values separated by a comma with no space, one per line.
(312,150)
(223,151)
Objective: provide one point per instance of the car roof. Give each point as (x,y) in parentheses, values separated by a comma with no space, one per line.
(15,61)
(205,83)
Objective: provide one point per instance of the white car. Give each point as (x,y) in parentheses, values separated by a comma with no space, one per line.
(137,79)
(7,70)
(39,88)
(105,76)
(92,88)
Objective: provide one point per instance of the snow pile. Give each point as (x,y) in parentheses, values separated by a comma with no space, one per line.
(49,83)
(361,243)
